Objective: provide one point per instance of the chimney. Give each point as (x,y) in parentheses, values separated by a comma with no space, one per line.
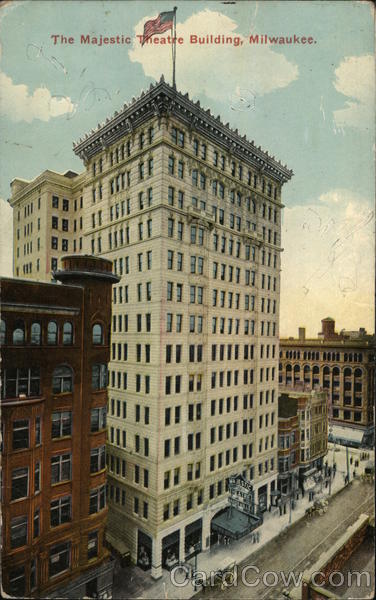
(328,326)
(301,331)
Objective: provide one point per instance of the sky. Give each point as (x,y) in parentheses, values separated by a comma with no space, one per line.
(310,105)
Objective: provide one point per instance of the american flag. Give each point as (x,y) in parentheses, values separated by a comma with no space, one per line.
(161,24)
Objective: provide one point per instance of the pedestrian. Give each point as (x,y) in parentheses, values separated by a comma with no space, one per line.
(354,474)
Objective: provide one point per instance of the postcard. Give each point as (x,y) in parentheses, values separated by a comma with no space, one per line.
(221,156)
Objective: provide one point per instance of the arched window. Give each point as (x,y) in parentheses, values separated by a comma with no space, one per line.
(350,357)
(67,333)
(358,372)
(99,377)
(324,356)
(36,333)
(97,334)
(3,331)
(335,371)
(62,379)
(19,332)
(307,373)
(316,370)
(253,206)
(326,371)
(347,372)
(337,356)
(52,333)
(345,357)
(317,355)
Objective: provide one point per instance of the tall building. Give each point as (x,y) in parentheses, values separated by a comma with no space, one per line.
(342,364)
(55,349)
(190,214)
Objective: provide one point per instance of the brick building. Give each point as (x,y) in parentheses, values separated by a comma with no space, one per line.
(302,440)
(189,212)
(55,349)
(343,364)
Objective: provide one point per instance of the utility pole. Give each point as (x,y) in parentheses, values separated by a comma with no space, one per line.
(347,464)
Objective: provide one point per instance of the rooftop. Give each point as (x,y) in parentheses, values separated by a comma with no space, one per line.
(161,98)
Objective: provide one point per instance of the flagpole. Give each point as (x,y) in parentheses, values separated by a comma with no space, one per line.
(174,51)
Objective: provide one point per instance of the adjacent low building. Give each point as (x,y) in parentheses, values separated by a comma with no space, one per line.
(302,441)
(55,349)
(344,365)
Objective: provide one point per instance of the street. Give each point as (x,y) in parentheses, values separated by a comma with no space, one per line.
(300,546)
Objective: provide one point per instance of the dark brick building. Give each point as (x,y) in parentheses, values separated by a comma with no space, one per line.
(55,349)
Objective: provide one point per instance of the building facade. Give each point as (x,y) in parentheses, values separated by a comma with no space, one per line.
(47,222)
(55,349)
(190,214)
(302,441)
(343,364)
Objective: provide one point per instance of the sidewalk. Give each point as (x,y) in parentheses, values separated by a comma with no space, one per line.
(132,582)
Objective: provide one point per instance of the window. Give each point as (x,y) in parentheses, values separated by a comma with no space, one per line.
(97,332)
(18,532)
(21,381)
(99,376)
(98,419)
(59,560)
(20,483)
(67,334)
(36,333)
(2,332)
(97,499)
(19,333)
(61,424)
(52,333)
(20,434)
(61,468)
(62,380)
(61,511)
(17,582)
(97,459)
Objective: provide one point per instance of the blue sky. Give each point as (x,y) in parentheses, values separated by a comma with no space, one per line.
(313,111)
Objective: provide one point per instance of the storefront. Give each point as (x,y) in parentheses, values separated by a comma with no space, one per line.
(193,538)
(170,550)
(263,498)
(144,550)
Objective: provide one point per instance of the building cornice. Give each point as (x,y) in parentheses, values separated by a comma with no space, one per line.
(45,178)
(163,100)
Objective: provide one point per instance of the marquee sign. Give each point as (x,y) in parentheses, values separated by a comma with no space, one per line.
(241,494)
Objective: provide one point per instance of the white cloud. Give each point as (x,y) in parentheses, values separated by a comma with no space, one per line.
(215,70)
(6,238)
(355,79)
(327,263)
(18,104)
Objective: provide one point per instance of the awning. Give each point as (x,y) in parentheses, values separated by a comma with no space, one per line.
(337,432)
(310,472)
(119,545)
(234,523)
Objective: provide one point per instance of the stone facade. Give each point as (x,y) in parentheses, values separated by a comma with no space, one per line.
(190,214)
